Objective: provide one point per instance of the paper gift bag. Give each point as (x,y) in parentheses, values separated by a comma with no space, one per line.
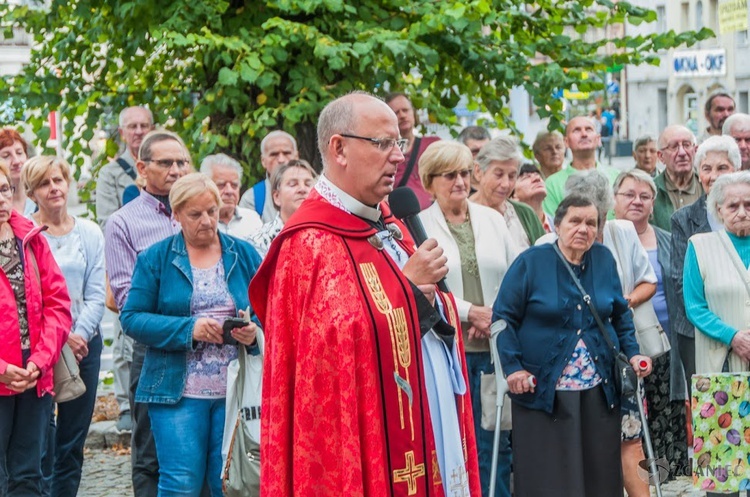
(721,427)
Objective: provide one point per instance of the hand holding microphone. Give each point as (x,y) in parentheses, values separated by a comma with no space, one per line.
(428,264)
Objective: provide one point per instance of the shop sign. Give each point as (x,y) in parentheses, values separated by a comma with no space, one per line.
(691,63)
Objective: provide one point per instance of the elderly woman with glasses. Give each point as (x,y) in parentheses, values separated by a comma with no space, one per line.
(716,156)
(35,310)
(184,288)
(666,387)
(291,184)
(479,249)
(496,168)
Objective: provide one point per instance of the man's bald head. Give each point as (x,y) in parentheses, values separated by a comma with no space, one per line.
(670,131)
(341,116)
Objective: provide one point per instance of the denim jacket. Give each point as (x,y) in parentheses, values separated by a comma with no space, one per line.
(157,312)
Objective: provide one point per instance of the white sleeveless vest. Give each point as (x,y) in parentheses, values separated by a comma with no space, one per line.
(727,297)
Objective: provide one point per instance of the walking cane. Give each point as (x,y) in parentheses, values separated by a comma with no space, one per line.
(502,389)
(650,459)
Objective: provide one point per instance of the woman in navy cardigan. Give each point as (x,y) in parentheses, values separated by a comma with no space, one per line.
(183,288)
(566,430)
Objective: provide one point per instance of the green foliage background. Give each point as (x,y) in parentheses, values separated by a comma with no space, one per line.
(223,73)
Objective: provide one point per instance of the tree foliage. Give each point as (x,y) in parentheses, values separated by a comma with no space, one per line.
(222,73)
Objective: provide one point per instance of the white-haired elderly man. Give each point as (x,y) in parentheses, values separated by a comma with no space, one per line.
(738,127)
(276,148)
(227,174)
(134,124)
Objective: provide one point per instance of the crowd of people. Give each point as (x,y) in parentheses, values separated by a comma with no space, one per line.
(378,376)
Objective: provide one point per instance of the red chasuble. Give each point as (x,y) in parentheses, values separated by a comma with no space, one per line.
(345,409)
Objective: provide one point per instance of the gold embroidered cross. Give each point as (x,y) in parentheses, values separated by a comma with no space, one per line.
(410,473)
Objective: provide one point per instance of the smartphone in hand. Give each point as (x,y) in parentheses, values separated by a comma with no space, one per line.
(228,326)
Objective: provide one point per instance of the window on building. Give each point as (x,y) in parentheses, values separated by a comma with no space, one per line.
(742,38)
(661,19)
(698,15)
(713,15)
(684,16)
(743,101)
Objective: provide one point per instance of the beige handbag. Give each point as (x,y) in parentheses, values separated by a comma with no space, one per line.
(68,382)
(67,378)
(488,398)
(652,339)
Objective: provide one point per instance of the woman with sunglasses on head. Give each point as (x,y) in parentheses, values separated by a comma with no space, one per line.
(479,250)
(496,167)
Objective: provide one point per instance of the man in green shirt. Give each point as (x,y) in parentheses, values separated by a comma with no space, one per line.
(678,185)
(582,139)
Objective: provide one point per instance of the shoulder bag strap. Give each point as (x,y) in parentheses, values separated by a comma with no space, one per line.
(412,161)
(586,298)
(126,167)
(735,258)
(239,385)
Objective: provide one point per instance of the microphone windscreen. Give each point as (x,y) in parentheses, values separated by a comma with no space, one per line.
(403,202)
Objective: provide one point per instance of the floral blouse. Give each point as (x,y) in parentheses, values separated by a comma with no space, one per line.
(207,364)
(10,260)
(579,373)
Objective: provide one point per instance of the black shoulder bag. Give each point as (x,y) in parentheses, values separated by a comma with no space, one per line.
(626,381)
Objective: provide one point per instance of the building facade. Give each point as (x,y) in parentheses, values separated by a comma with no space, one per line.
(675,91)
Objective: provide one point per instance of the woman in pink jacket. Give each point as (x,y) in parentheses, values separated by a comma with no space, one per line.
(34,324)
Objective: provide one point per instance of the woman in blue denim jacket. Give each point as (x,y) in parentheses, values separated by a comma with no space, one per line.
(183,289)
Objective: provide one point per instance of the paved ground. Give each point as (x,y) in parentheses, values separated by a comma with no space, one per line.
(106,473)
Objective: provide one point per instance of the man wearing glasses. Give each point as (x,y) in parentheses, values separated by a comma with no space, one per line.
(348,308)
(678,185)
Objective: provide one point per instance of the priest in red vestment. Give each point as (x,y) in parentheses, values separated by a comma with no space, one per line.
(342,297)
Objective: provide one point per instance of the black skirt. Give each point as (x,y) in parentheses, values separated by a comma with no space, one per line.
(575,451)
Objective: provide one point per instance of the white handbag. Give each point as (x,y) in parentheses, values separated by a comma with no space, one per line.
(241,445)
(652,339)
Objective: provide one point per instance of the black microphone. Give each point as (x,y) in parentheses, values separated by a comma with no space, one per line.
(405,206)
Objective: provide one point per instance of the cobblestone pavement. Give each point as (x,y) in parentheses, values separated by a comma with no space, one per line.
(106,473)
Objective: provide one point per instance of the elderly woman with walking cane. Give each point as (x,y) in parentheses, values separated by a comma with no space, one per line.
(566,322)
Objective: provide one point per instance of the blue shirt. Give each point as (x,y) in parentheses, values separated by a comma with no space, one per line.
(546,317)
(80,255)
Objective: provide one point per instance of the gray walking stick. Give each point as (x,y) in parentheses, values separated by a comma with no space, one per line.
(502,389)
(653,469)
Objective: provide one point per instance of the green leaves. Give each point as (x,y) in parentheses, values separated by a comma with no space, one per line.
(224,73)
